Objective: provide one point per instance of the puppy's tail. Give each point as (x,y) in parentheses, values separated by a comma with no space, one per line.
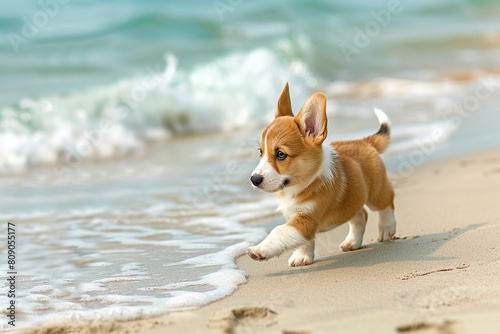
(382,138)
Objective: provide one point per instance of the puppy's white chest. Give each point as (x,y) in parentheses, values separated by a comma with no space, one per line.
(288,206)
(291,208)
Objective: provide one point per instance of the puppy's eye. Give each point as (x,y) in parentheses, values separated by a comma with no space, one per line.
(280,155)
(260,152)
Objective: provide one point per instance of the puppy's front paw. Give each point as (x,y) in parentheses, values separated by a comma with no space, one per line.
(297,260)
(302,256)
(257,253)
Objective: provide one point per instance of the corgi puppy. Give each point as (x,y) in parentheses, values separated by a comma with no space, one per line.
(320,186)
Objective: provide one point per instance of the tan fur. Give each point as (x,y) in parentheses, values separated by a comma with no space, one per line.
(379,142)
(312,201)
(363,180)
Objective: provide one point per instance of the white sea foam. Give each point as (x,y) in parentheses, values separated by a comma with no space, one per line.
(225,94)
(389,87)
(94,276)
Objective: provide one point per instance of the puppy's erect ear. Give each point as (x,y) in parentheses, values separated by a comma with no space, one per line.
(312,119)
(284,104)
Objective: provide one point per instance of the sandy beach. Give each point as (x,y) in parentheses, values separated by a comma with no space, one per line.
(440,275)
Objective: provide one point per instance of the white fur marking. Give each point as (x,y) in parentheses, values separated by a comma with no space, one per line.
(382,116)
(386,224)
(356,231)
(289,207)
(263,160)
(327,169)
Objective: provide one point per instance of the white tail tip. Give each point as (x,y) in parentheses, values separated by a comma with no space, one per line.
(382,116)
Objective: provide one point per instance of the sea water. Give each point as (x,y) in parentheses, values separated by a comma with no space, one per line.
(127,140)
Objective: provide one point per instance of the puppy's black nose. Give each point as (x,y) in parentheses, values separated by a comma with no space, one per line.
(256,179)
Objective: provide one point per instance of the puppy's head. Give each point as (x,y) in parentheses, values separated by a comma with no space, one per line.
(291,146)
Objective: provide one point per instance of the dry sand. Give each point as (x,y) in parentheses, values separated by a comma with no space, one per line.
(441,275)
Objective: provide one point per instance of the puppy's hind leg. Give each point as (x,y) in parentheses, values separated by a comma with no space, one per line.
(356,231)
(386,224)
